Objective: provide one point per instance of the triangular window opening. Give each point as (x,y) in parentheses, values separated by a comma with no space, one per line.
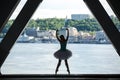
(110,12)
(33,52)
(11,19)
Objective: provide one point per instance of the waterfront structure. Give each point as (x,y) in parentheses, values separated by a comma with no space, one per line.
(46,36)
(79,16)
(73,34)
(49,33)
(31,32)
(73,31)
(25,39)
(86,37)
(101,37)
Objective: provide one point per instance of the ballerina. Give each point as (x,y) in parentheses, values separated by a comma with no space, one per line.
(62,53)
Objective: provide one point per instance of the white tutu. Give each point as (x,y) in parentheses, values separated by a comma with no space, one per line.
(62,55)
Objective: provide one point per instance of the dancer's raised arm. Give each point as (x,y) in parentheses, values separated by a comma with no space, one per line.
(67,34)
(57,35)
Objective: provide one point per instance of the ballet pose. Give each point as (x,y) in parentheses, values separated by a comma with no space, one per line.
(62,53)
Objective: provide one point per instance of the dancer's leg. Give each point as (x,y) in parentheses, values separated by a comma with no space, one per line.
(66,63)
(58,65)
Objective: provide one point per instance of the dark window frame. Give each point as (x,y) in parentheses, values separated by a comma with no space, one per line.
(29,10)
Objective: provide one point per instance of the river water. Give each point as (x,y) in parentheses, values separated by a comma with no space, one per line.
(37,58)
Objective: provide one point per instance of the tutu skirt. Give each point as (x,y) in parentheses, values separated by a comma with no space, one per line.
(63,54)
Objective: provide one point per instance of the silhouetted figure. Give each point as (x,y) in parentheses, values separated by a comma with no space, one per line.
(62,53)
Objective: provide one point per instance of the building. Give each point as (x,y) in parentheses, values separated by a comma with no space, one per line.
(73,34)
(101,37)
(31,32)
(79,16)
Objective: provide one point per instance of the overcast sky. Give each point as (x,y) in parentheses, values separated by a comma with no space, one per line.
(60,8)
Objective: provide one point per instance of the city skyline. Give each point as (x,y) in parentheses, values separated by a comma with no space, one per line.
(60,8)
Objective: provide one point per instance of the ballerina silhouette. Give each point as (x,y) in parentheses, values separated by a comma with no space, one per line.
(62,53)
